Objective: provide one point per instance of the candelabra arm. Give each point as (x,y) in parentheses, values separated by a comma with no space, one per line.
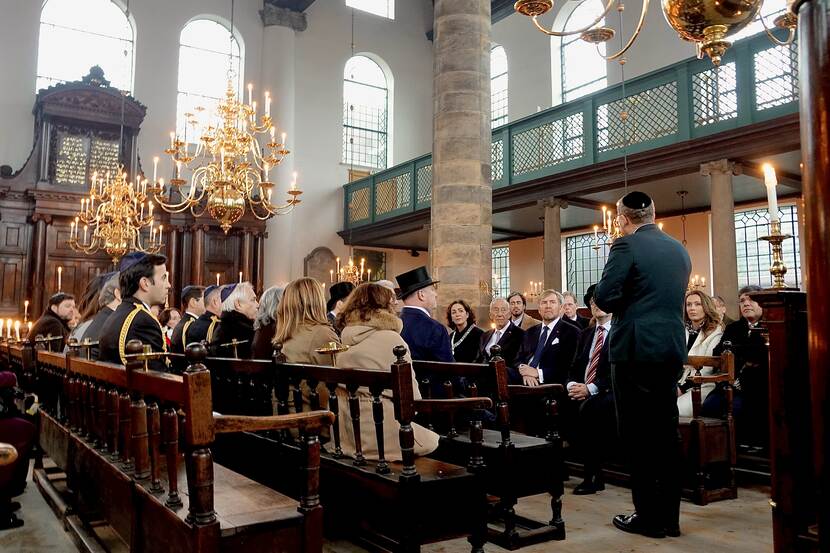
(551,32)
(640,25)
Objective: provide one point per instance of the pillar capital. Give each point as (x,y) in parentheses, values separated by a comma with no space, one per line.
(720,167)
(272,15)
(554,202)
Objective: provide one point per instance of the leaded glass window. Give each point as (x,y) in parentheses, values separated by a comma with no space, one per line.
(383,8)
(585,258)
(365,118)
(498,86)
(208,59)
(74,36)
(501,271)
(755,256)
(582,70)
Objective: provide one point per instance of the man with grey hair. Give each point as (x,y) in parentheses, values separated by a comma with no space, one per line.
(235,334)
(644,285)
(548,348)
(569,311)
(504,333)
(109,298)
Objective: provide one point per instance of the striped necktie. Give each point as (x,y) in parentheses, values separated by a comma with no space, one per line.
(591,372)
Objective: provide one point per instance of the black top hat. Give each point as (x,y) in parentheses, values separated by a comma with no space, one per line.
(338,291)
(589,294)
(412,281)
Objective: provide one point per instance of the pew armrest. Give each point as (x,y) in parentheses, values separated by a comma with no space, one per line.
(449,405)
(710,379)
(312,421)
(541,390)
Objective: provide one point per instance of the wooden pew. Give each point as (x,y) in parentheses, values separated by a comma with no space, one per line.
(508,454)
(116,431)
(388,506)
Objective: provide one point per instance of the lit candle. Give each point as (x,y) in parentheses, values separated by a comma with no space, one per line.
(284,135)
(294,181)
(26,310)
(71,229)
(178,169)
(267,104)
(267,168)
(240,277)
(151,209)
(85,229)
(596,236)
(610,224)
(331,275)
(29,327)
(770,181)
(142,211)
(253,106)
(17,330)
(369,275)
(273,130)
(660,225)
(338,265)
(217,279)
(172,140)
(250,92)
(60,269)
(155,168)
(703,281)
(604,209)
(161,227)
(9,327)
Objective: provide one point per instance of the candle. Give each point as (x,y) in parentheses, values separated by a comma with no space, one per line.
(60,269)
(604,209)
(253,106)
(596,236)
(369,275)
(151,209)
(178,169)
(338,265)
(9,327)
(610,225)
(273,130)
(240,277)
(161,227)
(331,275)
(1,328)
(217,279)
(267,168)
(267,104)
(26,310)
(172,142)
(17,330)
(770,181)
(85,229)
(28,327)
(71,229)
(284,135)
(250,92)
(294,181)
(155,168)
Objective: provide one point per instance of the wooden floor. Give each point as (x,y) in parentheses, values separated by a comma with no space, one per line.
(738,526)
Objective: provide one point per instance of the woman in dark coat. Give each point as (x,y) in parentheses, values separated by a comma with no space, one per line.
(464,334)
(265,323)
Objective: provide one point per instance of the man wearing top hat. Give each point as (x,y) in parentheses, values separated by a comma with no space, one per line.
(143,282)
(338,293)
(428,340)
(643,285)
(204,327)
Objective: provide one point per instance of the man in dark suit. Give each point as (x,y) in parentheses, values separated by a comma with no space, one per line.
(569,308)
(504,333)
(337,297)
(204,327)
(428,340)
(143,282)
(53,324)
(643,285)
(548,348)
(109,298)
(193,304)
(589,389)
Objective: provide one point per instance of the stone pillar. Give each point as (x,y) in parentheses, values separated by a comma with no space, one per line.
(260,261)
(247,262)
(39,270)
(552,255)
(173,265)
(461,227)
(197,270)
(724,250)
(280,26)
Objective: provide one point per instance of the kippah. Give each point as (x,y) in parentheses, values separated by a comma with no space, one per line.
(636,200)
(227,291)
(131,259)
(188,288)
(210,290)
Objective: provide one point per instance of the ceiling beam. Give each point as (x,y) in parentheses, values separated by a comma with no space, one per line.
(511,232)
(786,178)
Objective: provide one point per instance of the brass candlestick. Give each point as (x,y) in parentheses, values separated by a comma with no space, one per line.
(777,269)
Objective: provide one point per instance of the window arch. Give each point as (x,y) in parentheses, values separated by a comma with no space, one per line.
(204,63)
(498,86)
(383,8)
(365,113)
(582,70)
(74,36)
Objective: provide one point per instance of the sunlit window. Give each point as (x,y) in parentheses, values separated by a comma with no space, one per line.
(582,69)
(501,271)
(755,256)
(365,107)
(74,36)
(498,86)
(206,54)
(769,10)
(383,8)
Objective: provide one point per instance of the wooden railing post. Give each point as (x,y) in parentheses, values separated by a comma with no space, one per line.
(198,437)
(138,415)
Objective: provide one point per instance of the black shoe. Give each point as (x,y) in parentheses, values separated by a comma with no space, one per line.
(635,525)
(673,531)
(7,522)
(589,486)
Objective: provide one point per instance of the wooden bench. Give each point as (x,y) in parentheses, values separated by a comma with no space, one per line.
(509,455)
(386,505)
(116,432)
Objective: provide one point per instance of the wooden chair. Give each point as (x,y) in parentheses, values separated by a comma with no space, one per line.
(116,432)
(709,443)
(507,453)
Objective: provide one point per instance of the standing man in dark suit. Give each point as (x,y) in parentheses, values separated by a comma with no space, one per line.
(569,308)
(548,348)
(337,297)
(204,327)
(507,335)
(589,389)
(643,285)
(143,281)
(428,340)
(193,305)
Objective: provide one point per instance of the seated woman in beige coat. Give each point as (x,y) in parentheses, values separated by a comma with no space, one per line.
(703,332)
(302,328)
(371,329)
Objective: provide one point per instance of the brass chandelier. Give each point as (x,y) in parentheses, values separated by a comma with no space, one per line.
(117,212)
(230,169)
(706,23)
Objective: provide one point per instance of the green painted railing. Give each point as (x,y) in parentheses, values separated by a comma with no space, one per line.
(757,81)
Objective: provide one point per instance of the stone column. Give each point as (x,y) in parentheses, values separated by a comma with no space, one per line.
(724,251)
(280,26)
(39,270)
(197,269)
(173,265)
(553,243)
(461,227)
(247,262)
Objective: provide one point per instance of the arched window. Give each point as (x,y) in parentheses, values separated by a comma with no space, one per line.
(582,70)
(770,10)
(204,61)
(498,86)
(74,36)
(365,113)
(383,8)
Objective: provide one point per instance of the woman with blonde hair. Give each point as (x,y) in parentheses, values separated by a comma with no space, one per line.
(703,332)
(302,325)
(372,329)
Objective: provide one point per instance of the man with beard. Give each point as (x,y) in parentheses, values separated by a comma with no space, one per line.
(54,323)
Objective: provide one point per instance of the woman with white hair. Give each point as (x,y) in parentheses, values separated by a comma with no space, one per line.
(265,323)
(235,334)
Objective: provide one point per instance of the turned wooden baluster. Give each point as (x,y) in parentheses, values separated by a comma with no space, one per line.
(334,406)
(170,438)
(449,394)
(101,416)
(154,421)
(198,434)
(404,412)
(139,437)
(499,371)
(310,498)
(354,411)
(377,415)
(124,430)
(113,423)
